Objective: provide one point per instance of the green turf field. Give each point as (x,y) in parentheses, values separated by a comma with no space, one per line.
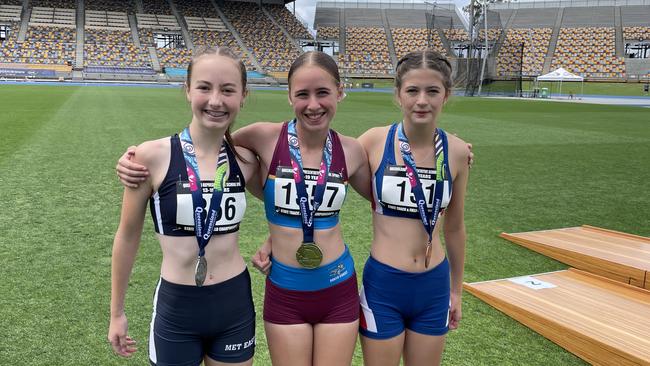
(590,88)
(539,165)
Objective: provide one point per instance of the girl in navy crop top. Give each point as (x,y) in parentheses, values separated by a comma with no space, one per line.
(195,187)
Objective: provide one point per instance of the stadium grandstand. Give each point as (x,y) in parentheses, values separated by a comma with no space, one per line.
(152,40)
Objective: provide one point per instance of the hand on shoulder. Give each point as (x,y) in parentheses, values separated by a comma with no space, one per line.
(154,155)
(150,153)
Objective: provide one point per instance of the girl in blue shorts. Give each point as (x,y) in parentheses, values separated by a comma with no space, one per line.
(411,292)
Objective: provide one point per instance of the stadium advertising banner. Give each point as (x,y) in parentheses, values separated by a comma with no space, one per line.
(31,73)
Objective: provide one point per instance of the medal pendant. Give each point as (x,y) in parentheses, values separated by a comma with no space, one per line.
(200,271)
(427,255)
(309,255)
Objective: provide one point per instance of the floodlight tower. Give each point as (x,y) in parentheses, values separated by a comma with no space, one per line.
(485,51)
(530,57)
(430,20)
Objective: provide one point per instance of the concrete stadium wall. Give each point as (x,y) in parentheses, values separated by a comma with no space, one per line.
(535,18)
(635,16)
(589,16)
(327,17)
(396,17)
(406,18)
(637,66)
(504,14)
(363,17)
(457,22)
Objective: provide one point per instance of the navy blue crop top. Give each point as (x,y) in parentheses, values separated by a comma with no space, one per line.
(171,205)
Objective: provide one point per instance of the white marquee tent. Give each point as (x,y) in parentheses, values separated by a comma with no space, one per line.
(562,75)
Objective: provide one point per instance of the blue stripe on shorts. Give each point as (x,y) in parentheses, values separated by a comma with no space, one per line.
(303,279)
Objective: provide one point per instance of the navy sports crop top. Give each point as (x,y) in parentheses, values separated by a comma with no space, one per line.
(280,197)
(391,189)
(171,206)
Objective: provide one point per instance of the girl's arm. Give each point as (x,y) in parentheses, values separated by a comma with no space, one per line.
(262,258)
(251,169)
(256,136)
(358,168)
(454,228)
(125,247)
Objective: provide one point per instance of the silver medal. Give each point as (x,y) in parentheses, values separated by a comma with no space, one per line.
(201,270)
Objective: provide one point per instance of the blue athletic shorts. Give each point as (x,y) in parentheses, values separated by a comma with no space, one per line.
(393,300)
(190,322)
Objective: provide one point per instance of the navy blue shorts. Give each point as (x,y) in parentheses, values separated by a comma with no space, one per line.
(190,322)
(393,300)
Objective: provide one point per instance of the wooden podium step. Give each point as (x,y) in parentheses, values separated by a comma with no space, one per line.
(600,320)
(620,256)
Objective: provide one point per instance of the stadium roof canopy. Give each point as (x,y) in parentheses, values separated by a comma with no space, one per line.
(266,1)
(387,4)
(522,4)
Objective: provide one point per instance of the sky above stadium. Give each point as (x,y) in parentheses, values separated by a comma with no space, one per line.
(306,9)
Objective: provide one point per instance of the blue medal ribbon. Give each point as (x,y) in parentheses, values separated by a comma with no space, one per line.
(203,228)
(306,213)
(429,219)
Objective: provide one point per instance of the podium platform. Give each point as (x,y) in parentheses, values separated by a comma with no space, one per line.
(620,256)
(600,320)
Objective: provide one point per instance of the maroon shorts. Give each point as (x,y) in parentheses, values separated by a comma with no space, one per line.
(336,304)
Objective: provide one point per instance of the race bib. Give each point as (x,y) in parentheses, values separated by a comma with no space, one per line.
(286,197)
(233,206)
(396,193)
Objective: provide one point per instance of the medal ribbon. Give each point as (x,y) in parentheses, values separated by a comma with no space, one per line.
(307,214)
(428,219)
(203,228)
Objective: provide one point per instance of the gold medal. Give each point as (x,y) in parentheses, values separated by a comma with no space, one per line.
(309,255)
(200,271)
(427,255)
